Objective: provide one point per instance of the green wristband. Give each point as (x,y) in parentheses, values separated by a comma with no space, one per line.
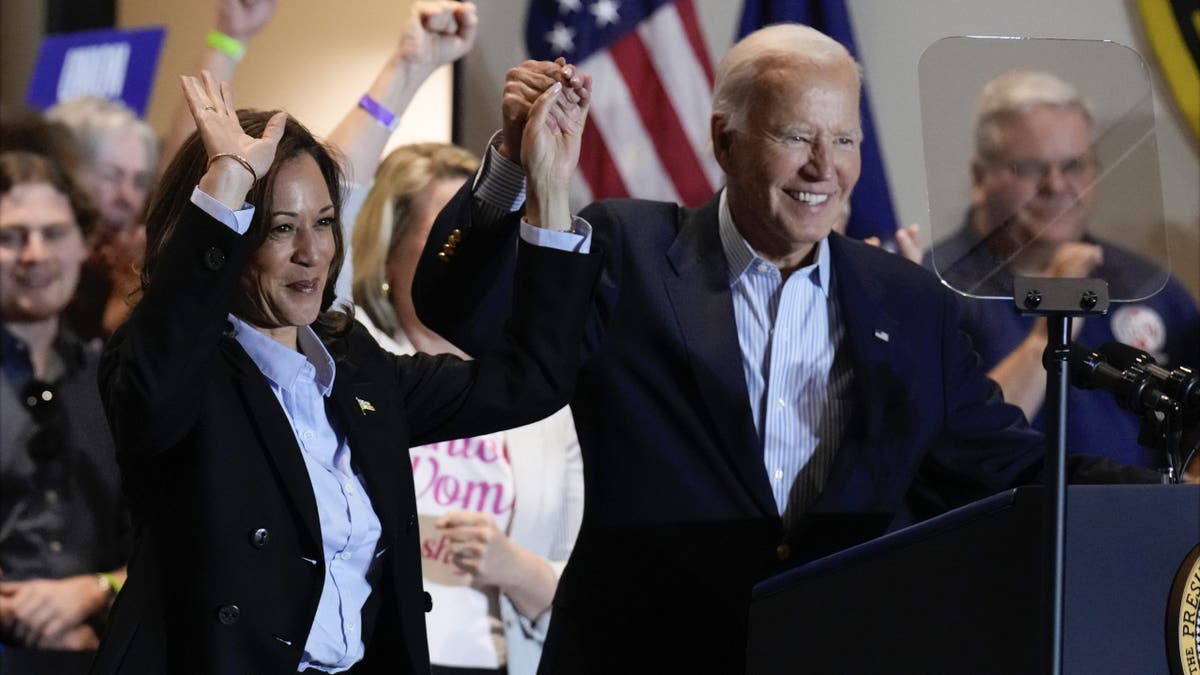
(109,583)
(231,47)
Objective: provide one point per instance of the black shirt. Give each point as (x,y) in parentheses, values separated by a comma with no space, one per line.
(61,508)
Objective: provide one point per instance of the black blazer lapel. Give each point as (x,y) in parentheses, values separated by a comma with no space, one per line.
(697,284)
(378,455)
(278,437)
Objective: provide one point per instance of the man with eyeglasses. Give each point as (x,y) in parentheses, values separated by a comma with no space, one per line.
(757,390)
(1034,187)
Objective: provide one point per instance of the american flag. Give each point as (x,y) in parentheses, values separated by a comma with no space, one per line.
(648,129)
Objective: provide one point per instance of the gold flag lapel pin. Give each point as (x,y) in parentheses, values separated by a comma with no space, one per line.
(364,406)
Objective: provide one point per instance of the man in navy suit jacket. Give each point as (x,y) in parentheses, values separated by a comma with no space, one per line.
(757,391)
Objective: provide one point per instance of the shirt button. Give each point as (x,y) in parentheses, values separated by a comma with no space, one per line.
(349,488)
(308,435)
(56,546)
(763,267)
(349,625)
(783,552)
(780,402)
(778,474)
(344,555)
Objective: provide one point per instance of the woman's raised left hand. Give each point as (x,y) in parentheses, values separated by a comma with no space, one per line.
(211,105)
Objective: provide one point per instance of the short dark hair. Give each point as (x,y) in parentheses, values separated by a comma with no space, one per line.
(174,190)
(19,166)
(27,130)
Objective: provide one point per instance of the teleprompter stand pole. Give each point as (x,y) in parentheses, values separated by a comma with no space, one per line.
(1058,300)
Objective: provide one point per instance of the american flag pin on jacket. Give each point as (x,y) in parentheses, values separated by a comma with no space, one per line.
(882,335)
(364,406)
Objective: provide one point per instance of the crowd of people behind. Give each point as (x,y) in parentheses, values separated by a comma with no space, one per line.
(331,431)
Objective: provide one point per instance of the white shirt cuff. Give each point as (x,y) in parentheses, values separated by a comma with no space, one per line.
(577,240)
(238,221)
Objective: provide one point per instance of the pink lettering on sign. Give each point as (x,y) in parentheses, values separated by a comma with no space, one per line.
(432,479)
(482,449)
(436,562)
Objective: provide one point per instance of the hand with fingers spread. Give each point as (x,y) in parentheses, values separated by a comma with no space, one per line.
(550,150)
(243,19)
(522,87)
(236,159)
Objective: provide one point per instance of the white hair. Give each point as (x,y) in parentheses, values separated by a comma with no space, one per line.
(790,43)
(94,120)
(1015,92)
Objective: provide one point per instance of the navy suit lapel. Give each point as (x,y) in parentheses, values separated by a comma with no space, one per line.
(877,353)
(278,437)
(697,283)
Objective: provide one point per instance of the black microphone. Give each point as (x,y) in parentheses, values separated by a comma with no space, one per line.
(1132,387)
(1181,384)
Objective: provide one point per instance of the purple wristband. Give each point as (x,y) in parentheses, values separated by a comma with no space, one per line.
(381,114)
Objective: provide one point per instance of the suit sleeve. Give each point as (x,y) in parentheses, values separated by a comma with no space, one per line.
(528,375)
(463,288)
(153,363)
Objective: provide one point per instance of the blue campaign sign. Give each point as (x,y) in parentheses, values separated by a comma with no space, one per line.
(114,64)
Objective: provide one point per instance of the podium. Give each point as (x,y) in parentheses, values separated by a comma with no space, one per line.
(964,592)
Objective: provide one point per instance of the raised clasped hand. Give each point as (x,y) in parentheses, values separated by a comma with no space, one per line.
(243,19)
(439,32)
(550,145)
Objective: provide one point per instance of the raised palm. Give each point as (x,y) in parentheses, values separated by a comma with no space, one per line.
(211,105)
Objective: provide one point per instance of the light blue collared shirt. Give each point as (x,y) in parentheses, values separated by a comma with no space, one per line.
(350,530)
(790,333)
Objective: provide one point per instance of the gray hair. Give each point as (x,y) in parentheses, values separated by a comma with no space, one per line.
(790,43)
(1015,92)
(93,120)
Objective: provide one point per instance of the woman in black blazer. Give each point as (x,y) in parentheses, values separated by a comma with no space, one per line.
(261,433)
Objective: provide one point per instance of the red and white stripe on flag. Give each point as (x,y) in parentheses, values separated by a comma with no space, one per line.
(648,128)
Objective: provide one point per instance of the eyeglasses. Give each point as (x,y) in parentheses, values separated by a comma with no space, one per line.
(1074,168)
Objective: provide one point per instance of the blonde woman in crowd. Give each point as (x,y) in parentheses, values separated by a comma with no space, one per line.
(498,513)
